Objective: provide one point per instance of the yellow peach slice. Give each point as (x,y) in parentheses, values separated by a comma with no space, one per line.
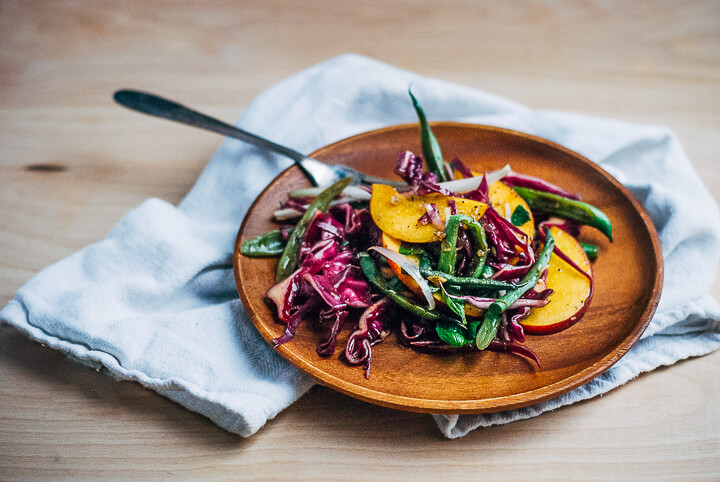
(572,291)
(505,201)
(399,216)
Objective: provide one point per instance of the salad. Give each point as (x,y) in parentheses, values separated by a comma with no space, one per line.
(458,261)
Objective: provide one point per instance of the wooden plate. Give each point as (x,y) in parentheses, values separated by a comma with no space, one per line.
(628,280)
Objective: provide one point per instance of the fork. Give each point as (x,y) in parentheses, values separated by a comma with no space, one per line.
(319,173)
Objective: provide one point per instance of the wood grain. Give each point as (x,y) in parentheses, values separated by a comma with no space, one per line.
(650,62)
(476,382)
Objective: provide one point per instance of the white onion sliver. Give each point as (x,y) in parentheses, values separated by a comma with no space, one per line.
(307,192)
(341,200)
(285,214)
(468,184)
(495,176)
(411,269)
(353,193)
(290,213)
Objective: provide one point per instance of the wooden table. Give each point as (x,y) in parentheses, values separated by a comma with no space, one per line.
(72,163)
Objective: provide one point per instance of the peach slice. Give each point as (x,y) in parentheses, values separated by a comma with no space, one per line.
(505,201)
(398,216)
(572,290)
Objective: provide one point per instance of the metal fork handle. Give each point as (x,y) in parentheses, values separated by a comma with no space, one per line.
(167,109)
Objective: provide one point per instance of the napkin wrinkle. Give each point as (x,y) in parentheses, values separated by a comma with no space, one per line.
(699,314)
(245,422)
(653,142)
(155,301)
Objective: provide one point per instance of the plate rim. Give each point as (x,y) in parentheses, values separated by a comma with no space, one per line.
(469,406)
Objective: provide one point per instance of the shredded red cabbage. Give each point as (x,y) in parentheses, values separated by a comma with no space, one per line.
(462,168)
(372,328)
(409,167)
(521,180)
(568,225)
(433,214)
(328,281)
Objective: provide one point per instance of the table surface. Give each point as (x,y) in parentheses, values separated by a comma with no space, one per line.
(72,163)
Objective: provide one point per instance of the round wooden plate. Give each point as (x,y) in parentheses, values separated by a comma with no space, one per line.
(628,280)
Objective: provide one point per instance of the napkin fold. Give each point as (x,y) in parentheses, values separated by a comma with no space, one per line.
(155,301)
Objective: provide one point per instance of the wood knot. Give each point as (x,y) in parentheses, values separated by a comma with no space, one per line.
(46,167)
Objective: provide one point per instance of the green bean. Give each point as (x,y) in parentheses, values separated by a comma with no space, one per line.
(291,254)
(579,211)
(491,322)
(373,275)
(467,282)
(448,246)
(271,243)
(591,250)
(448,256)
(481,249)
(408,251)
(430,145)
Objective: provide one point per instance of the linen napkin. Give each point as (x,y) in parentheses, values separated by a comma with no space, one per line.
(155,301)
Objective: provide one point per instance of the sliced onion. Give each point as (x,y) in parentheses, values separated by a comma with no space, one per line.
(286,214)
(471,183)
(290,213)
(353,193)
(411,269)
(484,303)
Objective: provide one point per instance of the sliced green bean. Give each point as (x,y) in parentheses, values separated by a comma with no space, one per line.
(467,282)
(448,246)
(481,250)
(487,329)
(579,211)
(373,275)
(291,254)
(448,255)
(408,251)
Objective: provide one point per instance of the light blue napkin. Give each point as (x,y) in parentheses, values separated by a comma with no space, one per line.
(155,301)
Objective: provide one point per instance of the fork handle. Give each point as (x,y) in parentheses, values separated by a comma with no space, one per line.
(159,107)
